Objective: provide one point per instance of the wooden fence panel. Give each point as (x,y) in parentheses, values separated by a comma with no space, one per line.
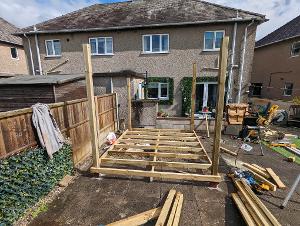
(17,133)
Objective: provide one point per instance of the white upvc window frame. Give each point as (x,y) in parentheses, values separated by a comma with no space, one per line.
(105,46)
(159,91)
(151,41)
(293,47)
(53,49)
(17,51)
(214,42)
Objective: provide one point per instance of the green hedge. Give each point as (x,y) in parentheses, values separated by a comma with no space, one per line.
(186,91)
(168,80)
(27,177)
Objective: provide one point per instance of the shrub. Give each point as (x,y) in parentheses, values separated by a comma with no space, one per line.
(27,177)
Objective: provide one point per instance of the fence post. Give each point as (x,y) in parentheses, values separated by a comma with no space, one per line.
(220,105)
(91,102)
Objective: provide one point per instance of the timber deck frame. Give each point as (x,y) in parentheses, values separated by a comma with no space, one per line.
(154,144)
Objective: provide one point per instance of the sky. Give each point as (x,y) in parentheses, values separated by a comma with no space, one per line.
(24,13)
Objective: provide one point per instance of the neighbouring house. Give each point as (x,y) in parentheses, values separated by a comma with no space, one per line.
(158,38)
(26,90)
(12,55)
(276,67)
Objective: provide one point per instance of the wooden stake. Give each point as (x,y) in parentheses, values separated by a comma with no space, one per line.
(193,97)
(91,102)
(220,105)
(129,103)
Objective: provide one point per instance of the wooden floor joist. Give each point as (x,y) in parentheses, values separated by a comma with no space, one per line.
(162,219)
(162,151)
(178,211)
(157,174)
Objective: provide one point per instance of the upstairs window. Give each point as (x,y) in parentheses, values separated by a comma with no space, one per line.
(156,43)
(14,53)
(53,48)
(288,89)
(101,46)
(295,49)
(157,90)
(213,40)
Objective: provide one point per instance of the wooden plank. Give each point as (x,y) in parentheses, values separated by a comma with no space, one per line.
(173,210)
(163,133)
(135,162)
(260,204)
(165,209)
(161,148)
(178,211)
(228,151)
(207,157)
(139,219)
(157,174)
(158,154)
(129,103)
(261,218)
(277,180)
(220,105)
(155,157)
(149,137)
(243,210)
(256,170)
(259,167)
(91,102)
(164,142)
(193,98)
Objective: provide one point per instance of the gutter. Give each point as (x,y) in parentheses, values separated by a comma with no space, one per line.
(281,40)
(30,53)
(141,26)
(243,62)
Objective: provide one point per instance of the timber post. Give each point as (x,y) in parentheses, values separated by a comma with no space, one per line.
(129,102)
(220,105)
(193,98)
(91,103)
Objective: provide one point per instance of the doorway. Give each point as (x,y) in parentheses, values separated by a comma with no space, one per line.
(206,95)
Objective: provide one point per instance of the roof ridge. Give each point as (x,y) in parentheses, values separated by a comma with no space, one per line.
(232,8)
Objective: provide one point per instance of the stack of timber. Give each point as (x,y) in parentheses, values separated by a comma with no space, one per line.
(252,209)
(266,176)
(236,113)
(168,214)
(157,153)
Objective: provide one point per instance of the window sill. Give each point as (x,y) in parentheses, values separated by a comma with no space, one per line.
(15,58)
(54,56)
(153,53)
(111,54)
(211,50)
(294,56)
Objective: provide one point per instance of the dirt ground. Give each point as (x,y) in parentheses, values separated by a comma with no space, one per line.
(93,200)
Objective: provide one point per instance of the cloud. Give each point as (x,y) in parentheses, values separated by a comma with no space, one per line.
(278,12)
(24,13)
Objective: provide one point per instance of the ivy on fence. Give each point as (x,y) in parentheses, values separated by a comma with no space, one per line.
(27,177)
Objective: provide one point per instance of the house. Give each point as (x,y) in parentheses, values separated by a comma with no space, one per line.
(160,39)
(25,90)
(12,55)
(276,66)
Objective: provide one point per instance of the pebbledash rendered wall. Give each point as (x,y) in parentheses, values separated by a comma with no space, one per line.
(186,47)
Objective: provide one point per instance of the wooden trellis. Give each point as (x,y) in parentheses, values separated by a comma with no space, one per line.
(157,153)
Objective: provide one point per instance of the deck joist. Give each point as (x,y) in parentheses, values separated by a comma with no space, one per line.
(157,153)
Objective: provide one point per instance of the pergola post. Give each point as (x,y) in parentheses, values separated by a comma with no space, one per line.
(220,105)
(193,97)
(91,102)
(129,102)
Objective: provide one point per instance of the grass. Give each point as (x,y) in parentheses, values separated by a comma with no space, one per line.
(285,152)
